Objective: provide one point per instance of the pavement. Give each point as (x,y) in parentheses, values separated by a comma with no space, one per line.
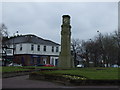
(24,82)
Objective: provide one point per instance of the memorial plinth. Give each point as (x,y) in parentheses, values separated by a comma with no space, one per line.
(65,57)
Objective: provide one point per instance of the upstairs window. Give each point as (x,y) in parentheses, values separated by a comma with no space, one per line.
(38,48)
(20,47)
(44,49)
(52,49)
(32,47)
(57,49)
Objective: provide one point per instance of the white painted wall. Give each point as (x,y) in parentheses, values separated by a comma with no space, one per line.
(26,49)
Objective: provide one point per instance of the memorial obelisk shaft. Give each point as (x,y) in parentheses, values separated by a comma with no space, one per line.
(65,57)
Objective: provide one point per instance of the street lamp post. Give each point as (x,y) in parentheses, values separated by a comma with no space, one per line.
(102,48)
(90,52)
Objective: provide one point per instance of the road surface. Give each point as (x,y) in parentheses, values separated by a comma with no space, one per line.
(24,82)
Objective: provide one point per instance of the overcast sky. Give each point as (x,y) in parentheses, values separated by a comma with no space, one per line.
(45,19)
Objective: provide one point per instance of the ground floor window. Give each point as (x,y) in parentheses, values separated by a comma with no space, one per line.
(38,60)
(44,61)
(52,61)
(32,60)
(22,61)
(56,62)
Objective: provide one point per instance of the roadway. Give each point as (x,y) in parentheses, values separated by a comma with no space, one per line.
(24,82)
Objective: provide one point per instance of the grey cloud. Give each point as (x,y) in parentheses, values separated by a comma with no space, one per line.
(0,12)
(44,19)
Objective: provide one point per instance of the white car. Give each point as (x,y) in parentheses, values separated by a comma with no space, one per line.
(80,66)
(14,64)
(115,65)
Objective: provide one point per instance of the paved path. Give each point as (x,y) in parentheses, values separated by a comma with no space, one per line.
(24,82)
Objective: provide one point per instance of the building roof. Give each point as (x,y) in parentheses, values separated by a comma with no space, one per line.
(29,38)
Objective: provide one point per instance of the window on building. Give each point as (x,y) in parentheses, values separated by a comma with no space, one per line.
(9,51)
(52,61)
(52,48)
(38,48)
(32,61)
(38,60)
(44,49)
(57,49)
(20,47)
(32,47)
(56,62)
(44,61)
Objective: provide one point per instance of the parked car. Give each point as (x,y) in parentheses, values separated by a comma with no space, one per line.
(45,65)
(48,65)
(14,64)
(40,65)
(115,65)
(80,66)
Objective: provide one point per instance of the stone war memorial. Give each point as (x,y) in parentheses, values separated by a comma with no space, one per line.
(65,57)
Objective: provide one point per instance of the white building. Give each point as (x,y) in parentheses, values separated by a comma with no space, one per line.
(32,50)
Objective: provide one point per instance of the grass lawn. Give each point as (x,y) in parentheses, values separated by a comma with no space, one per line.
(91,73)
(12,69)
(23,68)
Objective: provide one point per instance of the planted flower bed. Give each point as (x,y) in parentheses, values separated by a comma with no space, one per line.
(65,79)
(71,79)
(84,76)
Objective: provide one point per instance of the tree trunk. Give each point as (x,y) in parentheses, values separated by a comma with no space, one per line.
(87,60)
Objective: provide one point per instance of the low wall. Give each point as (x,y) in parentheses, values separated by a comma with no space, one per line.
(53,78)
(67,81)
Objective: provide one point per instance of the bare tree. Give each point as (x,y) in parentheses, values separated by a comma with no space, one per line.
(76,43)
(3,33)
(85,53)
(91,48)
(102,50)
(3,30)
(3,36)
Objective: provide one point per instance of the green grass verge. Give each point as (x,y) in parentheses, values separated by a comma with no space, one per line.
(23,68)
(0,69)
(90,73)
(12,69)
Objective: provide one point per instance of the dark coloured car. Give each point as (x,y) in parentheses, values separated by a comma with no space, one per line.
(45,65)
(40,65)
